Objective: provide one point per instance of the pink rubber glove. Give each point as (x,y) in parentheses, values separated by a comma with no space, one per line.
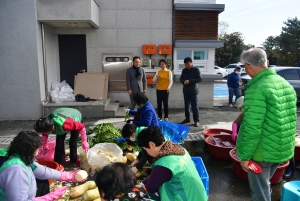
(84,143)
(54,195)
(69,176)
(44,149)
(234,131)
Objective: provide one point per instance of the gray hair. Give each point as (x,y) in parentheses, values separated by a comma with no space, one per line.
(254,57)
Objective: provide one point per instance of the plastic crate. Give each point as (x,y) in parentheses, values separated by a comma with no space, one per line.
(202,172)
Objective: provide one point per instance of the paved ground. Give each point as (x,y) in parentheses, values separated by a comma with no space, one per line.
(224,184)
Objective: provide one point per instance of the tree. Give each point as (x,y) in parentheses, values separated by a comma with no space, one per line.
(233,47)
(289,41)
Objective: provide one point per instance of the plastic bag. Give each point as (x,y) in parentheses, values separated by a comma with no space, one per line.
(49,155)
(103,154)
(173,131)
(61,92)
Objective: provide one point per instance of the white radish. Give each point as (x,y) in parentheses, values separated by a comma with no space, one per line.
(81,175)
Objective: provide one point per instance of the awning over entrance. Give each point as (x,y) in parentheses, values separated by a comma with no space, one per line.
(204,7)
(199,43)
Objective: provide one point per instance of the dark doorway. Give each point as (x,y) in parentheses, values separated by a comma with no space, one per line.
(72,56)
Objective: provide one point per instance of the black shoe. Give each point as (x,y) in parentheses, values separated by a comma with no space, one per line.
(289,170)
(185,121)
(196,124)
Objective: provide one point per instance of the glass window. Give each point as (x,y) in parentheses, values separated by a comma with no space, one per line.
(291,74)
(216,68)
(199,67)
(280,73)
(182,54)
(200,54)
(181,66)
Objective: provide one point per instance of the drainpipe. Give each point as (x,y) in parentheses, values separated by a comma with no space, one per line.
(45,71)
(173,28)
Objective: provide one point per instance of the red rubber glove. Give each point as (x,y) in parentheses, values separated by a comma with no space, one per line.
(84,143)
(234,131)
(54,195)
(69,176)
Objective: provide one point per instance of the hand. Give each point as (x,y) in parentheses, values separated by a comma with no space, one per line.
(233,136)
(244,165)
(145,91)
(54,195)
(168,90)
(85,146)
(234,131)
(69,176)
(84,143)
(129,92)
(186,82)
(43,150)
(134,170)
(158,76)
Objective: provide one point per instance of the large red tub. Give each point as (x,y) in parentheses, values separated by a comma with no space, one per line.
(220,145)
(216,131)
(50,164)
(243,175)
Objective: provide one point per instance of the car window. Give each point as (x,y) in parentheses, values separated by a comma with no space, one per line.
(291,74)
(231,66)
(216,68)
(280,73)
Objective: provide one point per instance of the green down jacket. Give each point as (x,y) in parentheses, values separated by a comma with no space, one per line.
(268,128)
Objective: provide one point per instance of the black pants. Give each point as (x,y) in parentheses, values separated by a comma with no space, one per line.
(191,99)
(42,187)
(162,97)
(59,155)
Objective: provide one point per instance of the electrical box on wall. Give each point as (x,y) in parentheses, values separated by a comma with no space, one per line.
(165,49)
(169,62)
(144,62)
(153,62)
(149,49)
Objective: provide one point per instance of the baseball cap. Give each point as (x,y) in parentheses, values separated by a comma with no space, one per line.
(237,68)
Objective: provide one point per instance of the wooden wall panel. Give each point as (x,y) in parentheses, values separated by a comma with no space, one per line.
(196,25)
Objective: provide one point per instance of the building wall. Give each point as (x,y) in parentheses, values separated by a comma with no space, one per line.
(19,61)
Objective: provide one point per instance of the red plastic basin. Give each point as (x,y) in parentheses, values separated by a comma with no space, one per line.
(50,164)
(219,151)
(243,175)
(215,131)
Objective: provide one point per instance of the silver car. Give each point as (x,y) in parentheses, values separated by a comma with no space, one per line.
(290,74)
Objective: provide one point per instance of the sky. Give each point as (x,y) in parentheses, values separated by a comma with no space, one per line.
(258,19)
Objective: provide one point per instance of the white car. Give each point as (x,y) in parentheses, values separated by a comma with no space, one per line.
(230,68)
(222,71)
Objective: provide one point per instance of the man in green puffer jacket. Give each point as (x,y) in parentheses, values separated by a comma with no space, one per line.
(267,134)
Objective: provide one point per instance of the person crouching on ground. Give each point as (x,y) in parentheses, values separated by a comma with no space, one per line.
(174,173)
(117,182)
(147,115)
(60,122)
(23,179)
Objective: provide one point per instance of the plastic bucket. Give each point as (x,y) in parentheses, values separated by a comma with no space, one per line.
(50,164)
(218,151)
(243,175)
(215,131)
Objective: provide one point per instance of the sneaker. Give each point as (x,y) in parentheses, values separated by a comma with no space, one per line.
(196,124)
(185,121)
(166,119)
(60,168)
(230,105)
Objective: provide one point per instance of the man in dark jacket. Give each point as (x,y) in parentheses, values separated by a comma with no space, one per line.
(135,80)
(233,83)
(190,76)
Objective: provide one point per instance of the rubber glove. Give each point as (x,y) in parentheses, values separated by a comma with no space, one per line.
(133,166)
(44,149)
(84,143)
(234,131)
(69,176)
(54,195)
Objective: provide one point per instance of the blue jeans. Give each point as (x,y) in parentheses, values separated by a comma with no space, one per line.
(260,183)
(236,91)
(191,99)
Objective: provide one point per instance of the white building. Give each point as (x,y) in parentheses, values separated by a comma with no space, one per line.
(38,38)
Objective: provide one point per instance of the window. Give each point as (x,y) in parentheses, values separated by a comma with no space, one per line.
(199,67)
(200,54)
(216,68)
(291,74)
(280,73)
(182,54)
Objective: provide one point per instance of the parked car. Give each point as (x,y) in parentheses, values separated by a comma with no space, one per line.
(230,68)
(290,74)
(220,70)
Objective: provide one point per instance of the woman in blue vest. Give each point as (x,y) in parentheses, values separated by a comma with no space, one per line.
(60,122)
(19,173)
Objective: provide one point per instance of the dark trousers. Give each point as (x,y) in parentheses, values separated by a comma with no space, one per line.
(162,97)
(42,187)
(191,99)
(59,155)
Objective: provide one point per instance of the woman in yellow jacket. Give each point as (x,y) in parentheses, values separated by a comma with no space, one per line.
(164,81)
